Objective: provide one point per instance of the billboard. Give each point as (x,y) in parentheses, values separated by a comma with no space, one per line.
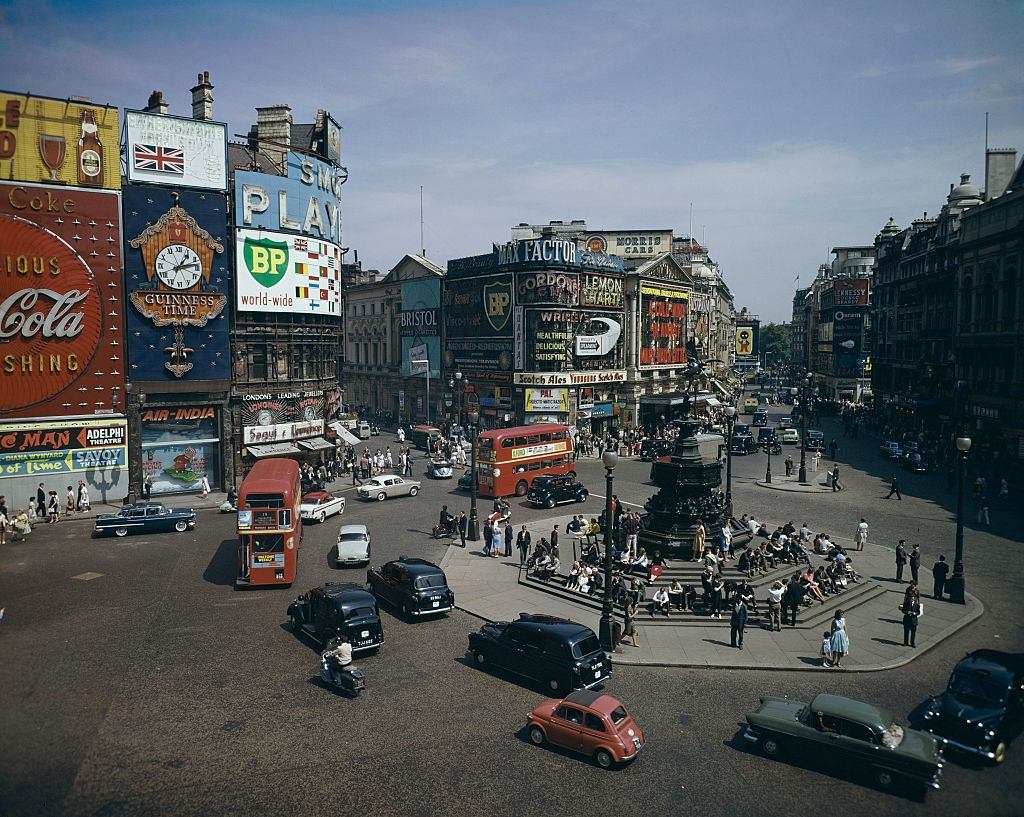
(306,201)
(663,319)
(553,400)
(478,323)
(748,340)
(418,328)
(571,339)
(542,253)
(176,275)
(333,133)
(850,292)
(179,445)
(277,272)
(61,335)
(630,244)
(59,141)
(269,418)
(163,149)
(65,447)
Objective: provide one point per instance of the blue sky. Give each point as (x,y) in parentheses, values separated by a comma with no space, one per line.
(792,127)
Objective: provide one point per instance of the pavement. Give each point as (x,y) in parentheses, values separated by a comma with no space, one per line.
(816,483)
(489,589)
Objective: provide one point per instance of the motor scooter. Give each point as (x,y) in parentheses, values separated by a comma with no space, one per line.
(349,681)
(500,517)
(440,531)
(228,507)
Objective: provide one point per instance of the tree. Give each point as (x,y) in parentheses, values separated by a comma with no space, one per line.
(776,343)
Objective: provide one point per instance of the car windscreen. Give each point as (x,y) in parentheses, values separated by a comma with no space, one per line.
(585,647)
(979,688)
(352,537)
(429,581)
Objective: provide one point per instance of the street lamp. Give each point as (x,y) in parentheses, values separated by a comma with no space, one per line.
(609,459)
(460,387)
(805,407)
(427,373)
(473,533)
(768,451)
(956,582)
(730,420)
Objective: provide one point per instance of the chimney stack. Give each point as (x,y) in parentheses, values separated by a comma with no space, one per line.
(156,103)
(999,166)
(275,123)
(202,98)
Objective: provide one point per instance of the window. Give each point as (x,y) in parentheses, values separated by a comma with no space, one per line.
(856,731)
(593,722)
(568,713)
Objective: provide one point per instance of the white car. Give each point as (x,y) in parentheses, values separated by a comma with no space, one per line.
(386,486)
(789,436)
(319,505)
(353,546)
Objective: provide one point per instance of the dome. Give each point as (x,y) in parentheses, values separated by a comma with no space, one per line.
(890,229)
(965,193)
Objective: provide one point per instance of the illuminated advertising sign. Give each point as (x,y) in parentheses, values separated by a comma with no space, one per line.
(59,141)
(547,400)
(269,418)
(418,328)
(61,336)
(306,201)
(663,318)
(287,273)
(179,446)
(47,448)
(478,325)
(748,340)
(178,283)
(176,150)
(847,292)
(632,244)
(541,253)
(559,339)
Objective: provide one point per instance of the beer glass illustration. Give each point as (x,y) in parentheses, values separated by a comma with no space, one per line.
(52,149)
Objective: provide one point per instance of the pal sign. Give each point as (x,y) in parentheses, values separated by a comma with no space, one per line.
(306,201)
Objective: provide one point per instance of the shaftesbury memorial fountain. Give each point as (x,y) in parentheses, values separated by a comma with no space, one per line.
(690,489)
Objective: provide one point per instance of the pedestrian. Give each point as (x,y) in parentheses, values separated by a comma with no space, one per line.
(815,456)
(826,649)
(915,562)
(789,465)
(53,508)
(205,485)
(70,502)
(840,639)
(983,518)
(901,559)
(894,488)
(629,620)
(496,541)
(738,622)
(860,538)
(40,502)
(833,448)
(1004,489)
(699,540)
(911,609)
(554,540)
(510,535)
(939,572)
(355,474)
(792,598)
(835,478)
(147,488)
(523,543)
(775,593)
(488,536)
(462,528)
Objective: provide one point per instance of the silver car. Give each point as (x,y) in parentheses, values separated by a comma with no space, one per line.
(353,546)
(387,486)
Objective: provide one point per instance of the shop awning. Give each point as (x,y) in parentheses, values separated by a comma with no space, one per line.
(346,435)
(663,400)
(713,402)
(722,390)
(272,450)
(315,444)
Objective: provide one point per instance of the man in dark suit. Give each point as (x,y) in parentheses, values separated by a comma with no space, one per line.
(915,563)
(509,536)
(939,572)
(41,501)
(462,527)
(792,599)
(901,559)
(738,622)
(894,488)
(523,543)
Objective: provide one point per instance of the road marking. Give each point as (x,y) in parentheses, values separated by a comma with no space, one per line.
(87,577)
(624,502)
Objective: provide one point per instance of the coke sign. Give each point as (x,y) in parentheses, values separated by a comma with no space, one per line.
(60,302)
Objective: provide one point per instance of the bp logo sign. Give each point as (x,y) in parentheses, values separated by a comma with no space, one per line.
(498,303)
(267,261)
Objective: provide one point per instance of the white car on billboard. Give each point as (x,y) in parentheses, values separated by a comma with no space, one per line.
(597,337)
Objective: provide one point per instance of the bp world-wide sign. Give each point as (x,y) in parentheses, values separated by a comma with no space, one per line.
(278,272)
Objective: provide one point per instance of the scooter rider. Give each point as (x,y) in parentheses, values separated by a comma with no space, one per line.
(445,519)
(338,656)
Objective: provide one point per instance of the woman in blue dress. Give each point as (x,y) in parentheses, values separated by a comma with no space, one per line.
(840,640)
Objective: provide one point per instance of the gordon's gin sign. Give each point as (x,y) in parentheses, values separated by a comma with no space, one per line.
(60,302)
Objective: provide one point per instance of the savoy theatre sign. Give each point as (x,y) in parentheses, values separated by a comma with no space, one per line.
(568,378)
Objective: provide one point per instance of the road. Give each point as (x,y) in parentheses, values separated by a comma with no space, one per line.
(154,688)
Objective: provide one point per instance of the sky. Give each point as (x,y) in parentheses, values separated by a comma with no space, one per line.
(791,127)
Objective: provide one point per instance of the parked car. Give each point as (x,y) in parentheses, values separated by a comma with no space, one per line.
(440,469)
(847,732)
(338,609)
(815,440)
(548,491)
(742,444)
(465,481)
(591,723)
(144,517)
(414,586)
(387,486)
(891,450)
(545,649)
(651,449)
(319,505)
(353,546)
(982,709)
(789,436)
(916,463)
(760,418)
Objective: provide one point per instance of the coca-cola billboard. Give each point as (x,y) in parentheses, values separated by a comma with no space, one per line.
(61,331)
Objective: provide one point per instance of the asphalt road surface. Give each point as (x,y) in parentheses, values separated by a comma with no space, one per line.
(155,688)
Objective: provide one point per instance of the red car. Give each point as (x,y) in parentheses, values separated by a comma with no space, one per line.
(591,723)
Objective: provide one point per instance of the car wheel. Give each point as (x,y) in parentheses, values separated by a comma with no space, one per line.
(571,475)
(553,685)
(413,491)
(521,488)
(999,753)
(405,610)
(322,516)
(582,496)
(604,758)
(381,496)
(120,531)
(181,526)
(550,503)
(770,746)
(296,627)
(536,736)
(884,778)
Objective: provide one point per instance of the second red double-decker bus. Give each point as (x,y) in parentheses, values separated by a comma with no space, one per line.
(509,459)
(269,524)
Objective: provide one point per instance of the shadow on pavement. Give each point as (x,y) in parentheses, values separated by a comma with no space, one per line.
(222,567)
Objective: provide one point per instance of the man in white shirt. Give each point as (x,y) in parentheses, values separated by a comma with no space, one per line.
(660,602)
(775,593)
(861,537)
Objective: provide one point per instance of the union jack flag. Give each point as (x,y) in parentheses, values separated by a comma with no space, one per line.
(160,159)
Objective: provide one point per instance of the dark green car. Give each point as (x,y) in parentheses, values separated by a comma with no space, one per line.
(847,733)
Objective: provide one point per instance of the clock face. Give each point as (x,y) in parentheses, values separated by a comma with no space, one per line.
(178,266)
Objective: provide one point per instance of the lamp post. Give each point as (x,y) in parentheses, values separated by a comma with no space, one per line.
(768,451)
(805,406)
(956,582)
(426,371)
(609,459)
(473,532)
(460,397)
(730,420)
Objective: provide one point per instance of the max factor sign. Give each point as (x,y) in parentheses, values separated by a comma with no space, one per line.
(558,252)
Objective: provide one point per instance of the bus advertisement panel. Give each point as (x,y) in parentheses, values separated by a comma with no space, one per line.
(509,459)
(269,524)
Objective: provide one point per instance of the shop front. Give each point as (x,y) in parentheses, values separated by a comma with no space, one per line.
(180,444)
(289,424)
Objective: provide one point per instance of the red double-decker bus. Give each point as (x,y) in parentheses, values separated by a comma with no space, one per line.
(269,524)
(509,459)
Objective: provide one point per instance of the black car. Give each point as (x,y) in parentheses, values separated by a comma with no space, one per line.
(982,709)
(466,481)
(767,435)
(739,429)
(760,418)
(556,652)
(742,444)
(144,517)
(652,449)
(547,492)
(338,609)
(414,586)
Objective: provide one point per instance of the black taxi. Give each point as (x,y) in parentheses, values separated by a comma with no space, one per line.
(414,586)
(338,609)
(548,491)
